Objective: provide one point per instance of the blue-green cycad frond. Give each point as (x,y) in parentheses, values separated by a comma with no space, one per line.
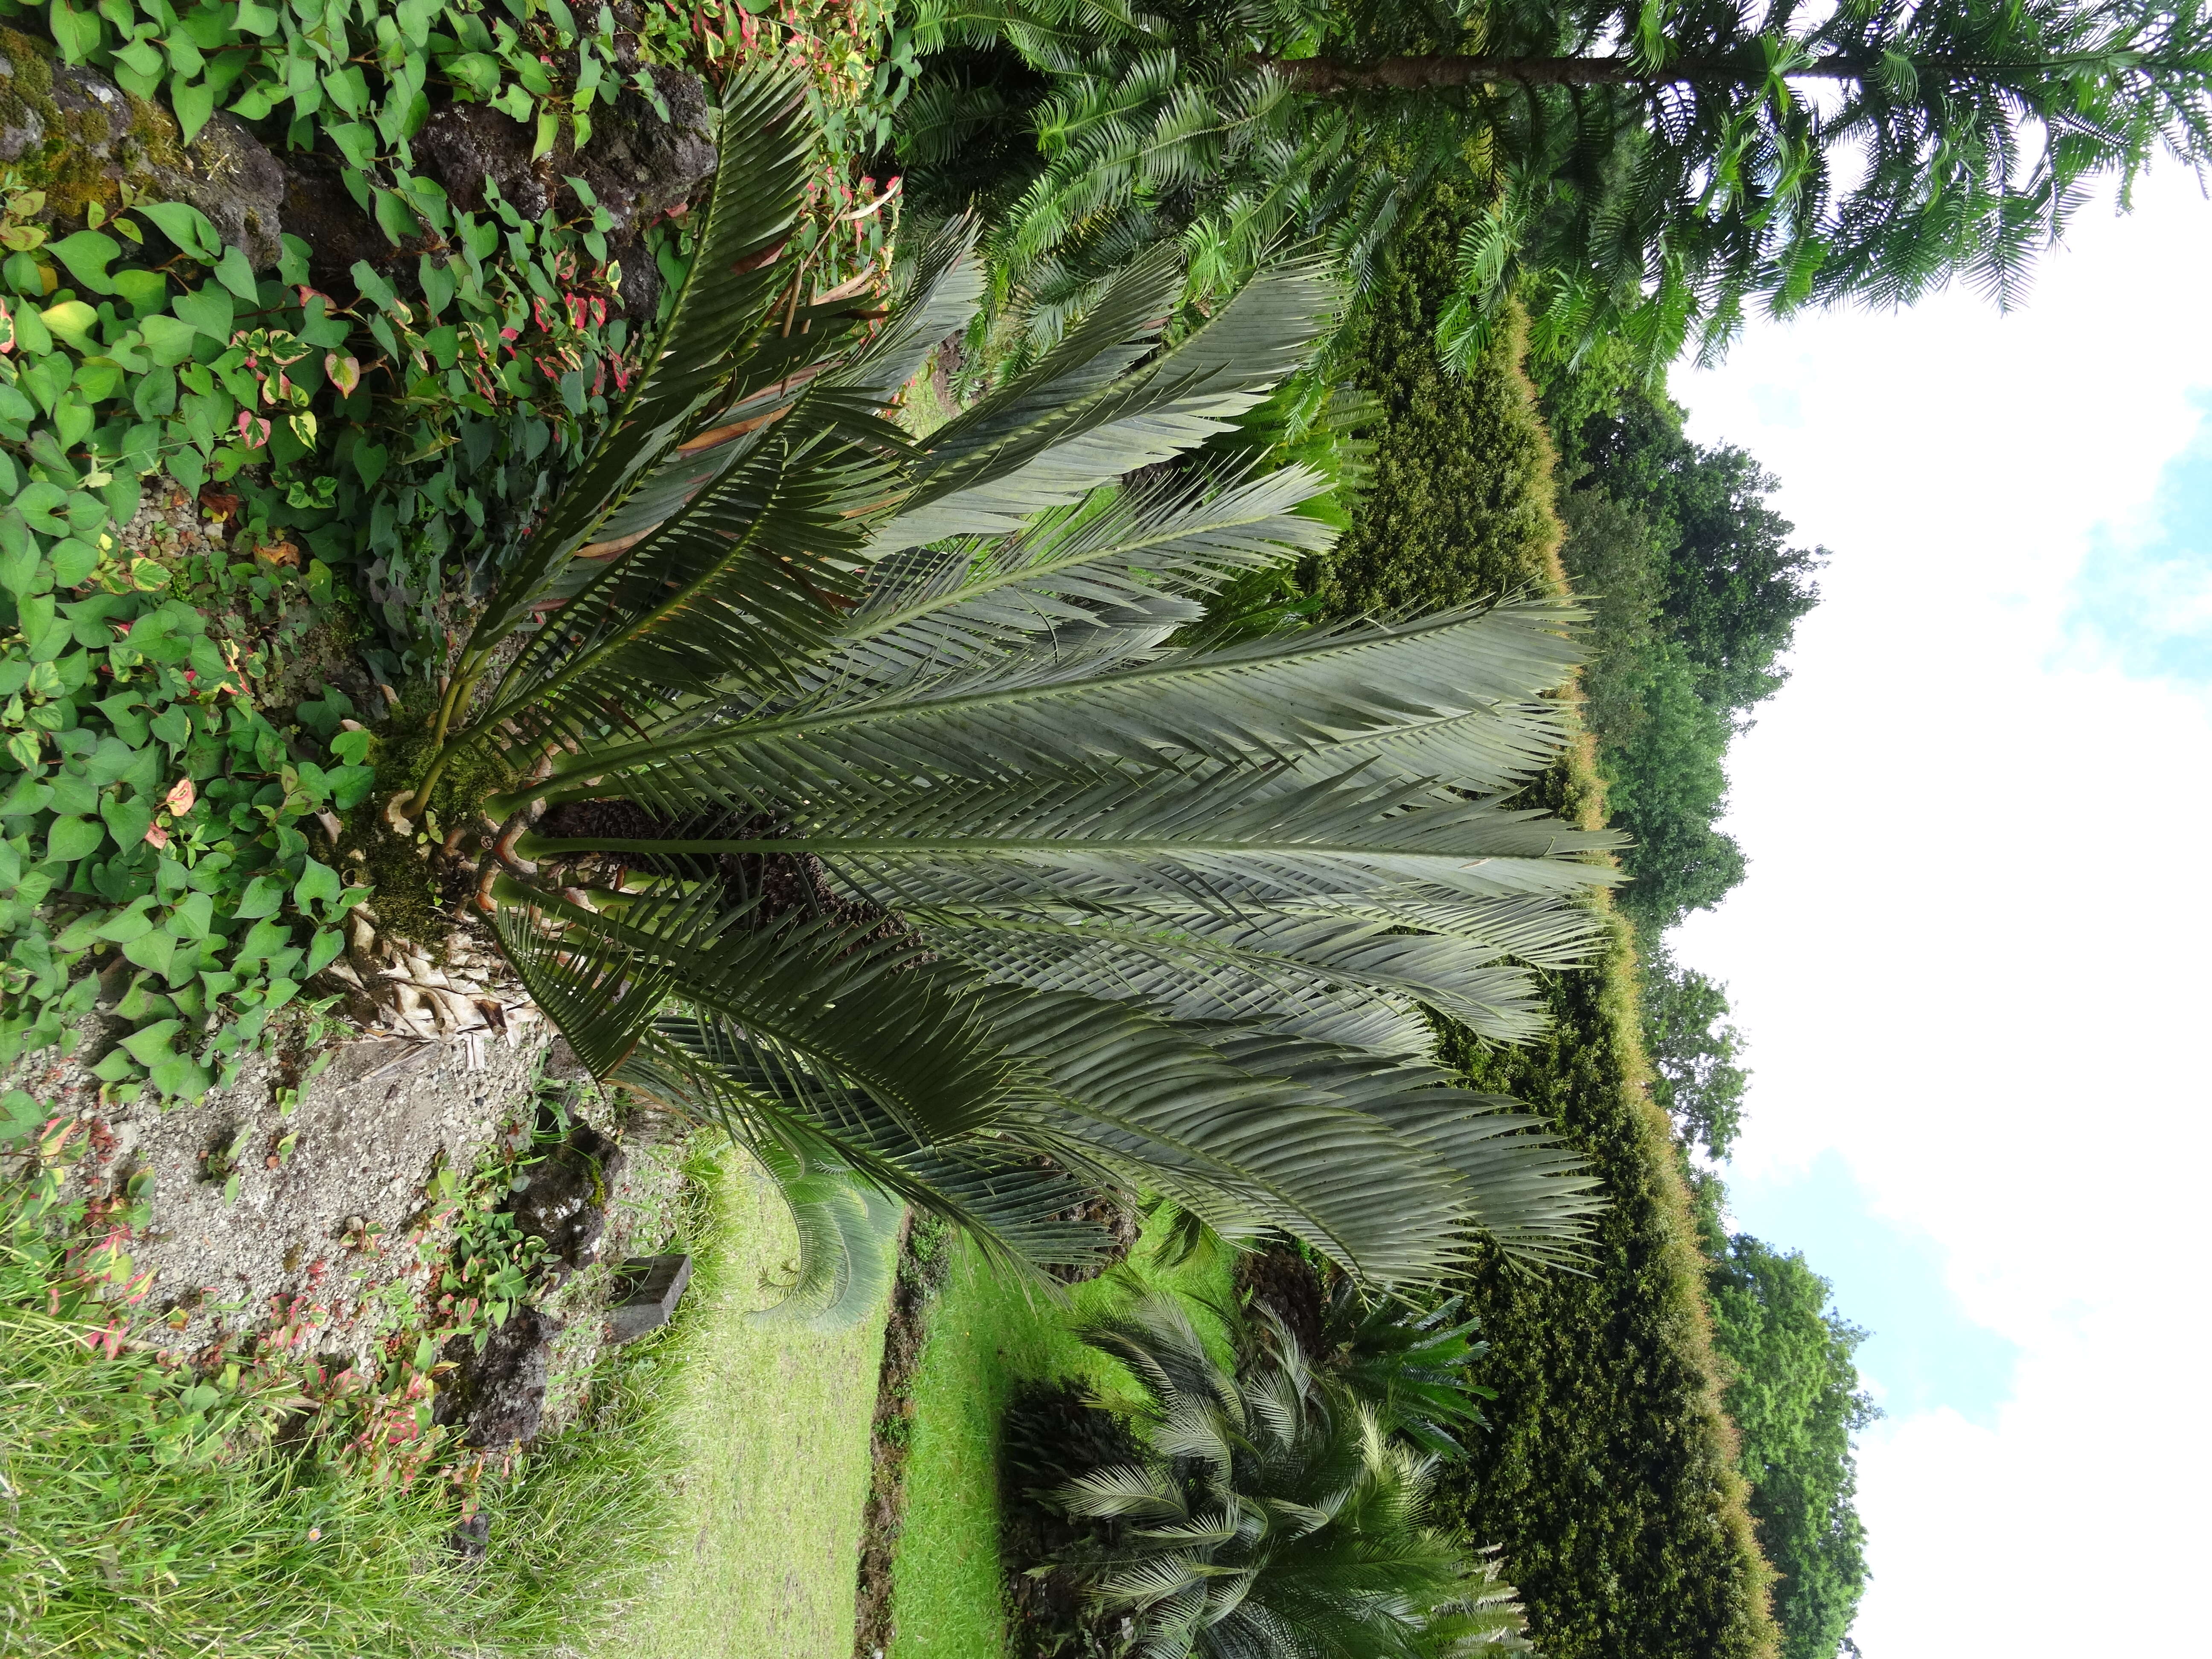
(1268,1514)
(887,825)
(847,1233)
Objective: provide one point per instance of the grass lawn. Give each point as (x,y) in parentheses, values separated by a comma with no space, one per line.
(986,1337)
(775,1419)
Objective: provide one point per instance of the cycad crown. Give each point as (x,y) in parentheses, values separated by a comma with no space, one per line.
(1270,1515)
(885,825)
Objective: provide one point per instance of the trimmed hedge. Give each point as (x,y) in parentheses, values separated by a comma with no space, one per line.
(1458,505)
(1609,1471)
(1608,1475)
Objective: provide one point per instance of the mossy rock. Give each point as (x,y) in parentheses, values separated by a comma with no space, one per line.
(76,135)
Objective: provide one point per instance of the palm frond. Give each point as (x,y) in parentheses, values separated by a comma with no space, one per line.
(1338,980)
(732,282)
(870,1015)
(1109,1087)
(1269,698)
(848,1236)
(1526,1194)
(961,603)
(1085,415)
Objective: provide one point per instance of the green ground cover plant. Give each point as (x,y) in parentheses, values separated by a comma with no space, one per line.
(152,1510)
(155,813)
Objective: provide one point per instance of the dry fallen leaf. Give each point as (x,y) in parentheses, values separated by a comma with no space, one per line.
(279,553)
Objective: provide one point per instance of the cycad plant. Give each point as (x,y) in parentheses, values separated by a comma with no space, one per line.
(1269,1514)
(1410,1366)
(861,801)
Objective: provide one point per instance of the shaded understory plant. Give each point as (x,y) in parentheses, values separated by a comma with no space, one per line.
(1261,1512)
(863,804)
(1411,1366)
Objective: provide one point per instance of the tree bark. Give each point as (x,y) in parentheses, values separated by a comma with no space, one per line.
(1328,76)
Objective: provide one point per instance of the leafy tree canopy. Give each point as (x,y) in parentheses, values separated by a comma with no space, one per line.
(1732,589)
(1660,171)
(1698,594)
(1692,1049)
(1795,1401)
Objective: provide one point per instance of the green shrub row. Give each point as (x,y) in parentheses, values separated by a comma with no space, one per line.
(1608,1475)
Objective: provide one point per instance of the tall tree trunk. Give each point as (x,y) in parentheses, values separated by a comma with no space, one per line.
(1444,72)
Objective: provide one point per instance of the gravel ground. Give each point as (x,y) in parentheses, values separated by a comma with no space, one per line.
(321,1237)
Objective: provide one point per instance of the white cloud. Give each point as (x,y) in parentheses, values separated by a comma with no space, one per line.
(1973,955)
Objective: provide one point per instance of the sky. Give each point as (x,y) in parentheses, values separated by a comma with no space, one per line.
(1973,957)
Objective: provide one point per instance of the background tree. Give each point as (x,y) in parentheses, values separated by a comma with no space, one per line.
(1795,1401)
(1692,1050)
(1729,587)
(1698,594)
(1656,170)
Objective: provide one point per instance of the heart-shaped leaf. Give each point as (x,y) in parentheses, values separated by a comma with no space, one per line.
(71,838)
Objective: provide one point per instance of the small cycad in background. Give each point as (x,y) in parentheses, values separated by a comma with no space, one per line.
(1263,1511)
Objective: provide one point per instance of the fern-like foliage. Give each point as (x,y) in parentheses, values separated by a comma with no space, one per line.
(1270,1515)
(1658,171)
(873,811)
(1160,129)
(1410,1367)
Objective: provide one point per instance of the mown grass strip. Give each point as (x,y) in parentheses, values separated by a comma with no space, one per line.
(773,1420)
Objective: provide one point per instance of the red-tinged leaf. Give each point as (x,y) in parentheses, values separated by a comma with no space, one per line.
(181,796)
(252,428)
(343,371)
(156,837)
